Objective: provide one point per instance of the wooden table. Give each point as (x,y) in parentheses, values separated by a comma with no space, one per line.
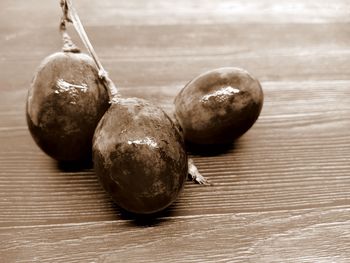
(280,194)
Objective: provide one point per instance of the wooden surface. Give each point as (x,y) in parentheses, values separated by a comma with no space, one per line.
(280,194)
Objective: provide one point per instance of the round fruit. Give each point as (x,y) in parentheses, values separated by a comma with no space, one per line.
(139,156)
(218,106)
(65,102)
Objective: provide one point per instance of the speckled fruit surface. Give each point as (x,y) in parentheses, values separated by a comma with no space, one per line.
(139,156)
(64,104)
(218,106)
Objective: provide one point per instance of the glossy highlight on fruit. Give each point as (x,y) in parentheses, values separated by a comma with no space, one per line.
(64,104)
(139,156)
(218,106)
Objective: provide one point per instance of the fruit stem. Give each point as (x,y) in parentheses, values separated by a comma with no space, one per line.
(195,175)
(75,20)
(68,45)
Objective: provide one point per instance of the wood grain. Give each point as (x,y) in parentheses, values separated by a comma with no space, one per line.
(310,235)
(281,193)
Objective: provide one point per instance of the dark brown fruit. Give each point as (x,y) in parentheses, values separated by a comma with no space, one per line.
(218,106)
(65,102)
(139,156)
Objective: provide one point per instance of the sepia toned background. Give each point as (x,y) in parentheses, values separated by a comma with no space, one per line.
(281,193)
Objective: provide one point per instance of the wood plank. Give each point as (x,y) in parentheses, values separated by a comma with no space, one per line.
(138,56)
(310,235)
(155,12)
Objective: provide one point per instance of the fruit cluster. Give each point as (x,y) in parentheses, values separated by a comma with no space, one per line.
(75,113)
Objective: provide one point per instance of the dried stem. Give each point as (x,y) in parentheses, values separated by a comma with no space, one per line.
(68,45)
(68,9)
(195,175)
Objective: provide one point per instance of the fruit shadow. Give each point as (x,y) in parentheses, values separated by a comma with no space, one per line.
(147,220)
(208,150)
(71,167)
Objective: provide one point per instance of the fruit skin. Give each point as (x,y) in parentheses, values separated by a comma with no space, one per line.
(64,104)
(218,106)
(139,156)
